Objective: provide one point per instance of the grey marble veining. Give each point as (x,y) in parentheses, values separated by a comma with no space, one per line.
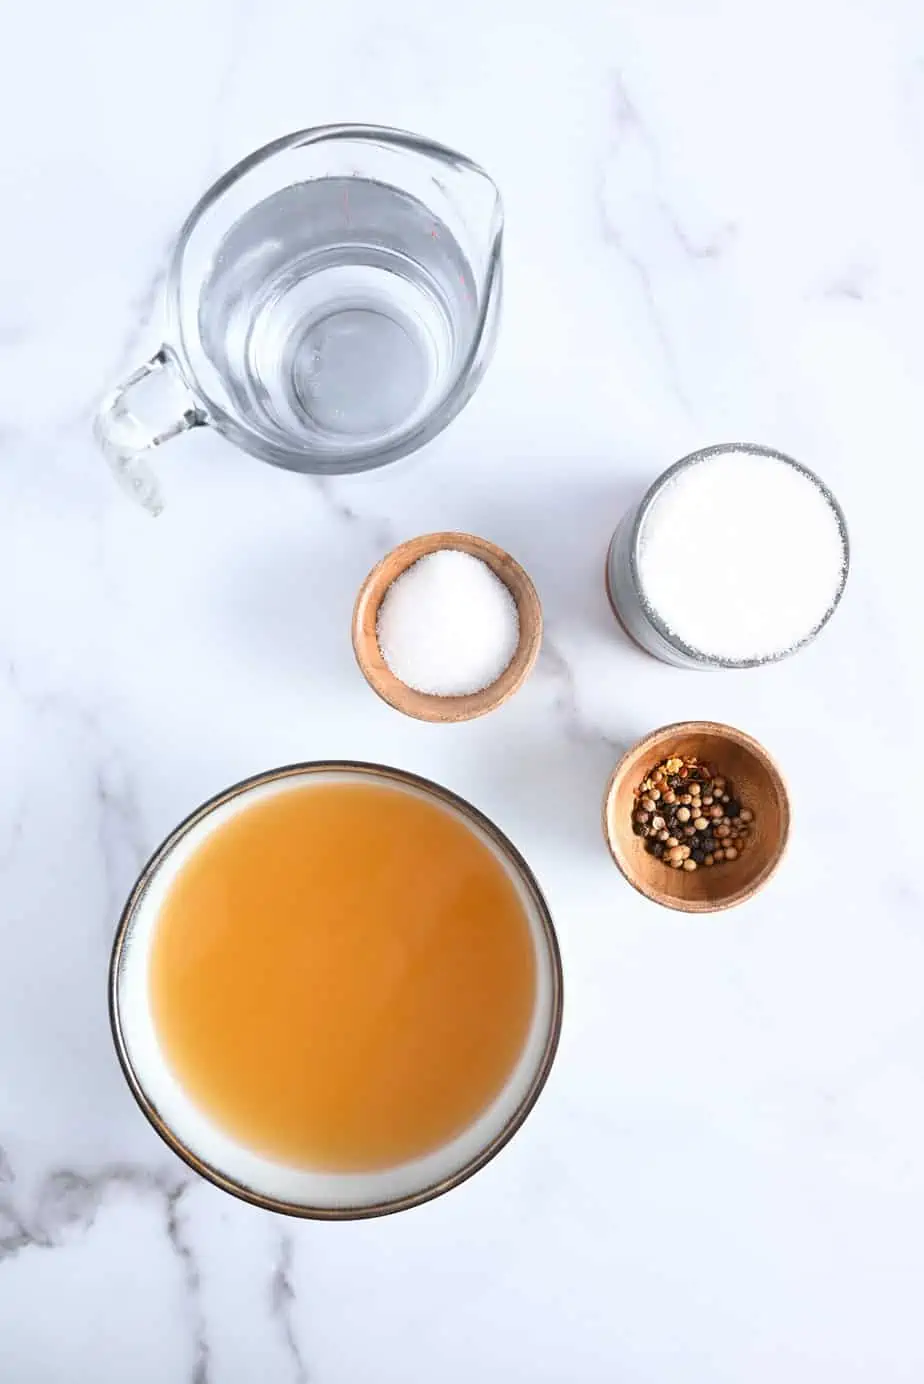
(714,222)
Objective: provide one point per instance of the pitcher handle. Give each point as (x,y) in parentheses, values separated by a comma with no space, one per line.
(149,408)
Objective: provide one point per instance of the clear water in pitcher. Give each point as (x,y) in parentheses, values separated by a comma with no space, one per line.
(338,313)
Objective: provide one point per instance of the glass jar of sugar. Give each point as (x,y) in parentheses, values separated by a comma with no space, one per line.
(736,556)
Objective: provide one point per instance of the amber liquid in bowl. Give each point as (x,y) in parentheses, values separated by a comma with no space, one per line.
(343,976)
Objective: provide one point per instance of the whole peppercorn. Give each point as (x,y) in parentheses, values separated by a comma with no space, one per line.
(688,817)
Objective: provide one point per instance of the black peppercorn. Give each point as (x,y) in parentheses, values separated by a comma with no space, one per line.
(687,816)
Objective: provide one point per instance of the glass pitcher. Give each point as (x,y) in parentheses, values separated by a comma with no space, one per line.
(332,303)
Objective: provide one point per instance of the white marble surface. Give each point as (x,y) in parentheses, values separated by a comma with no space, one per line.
(715,221)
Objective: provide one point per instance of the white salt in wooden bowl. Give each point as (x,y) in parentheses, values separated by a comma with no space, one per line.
(425,706)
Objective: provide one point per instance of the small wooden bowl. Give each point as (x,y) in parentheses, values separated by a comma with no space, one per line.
(757,783)
(423,705)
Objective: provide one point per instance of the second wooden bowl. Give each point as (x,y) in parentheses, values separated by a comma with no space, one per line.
(423,705)
(757,782)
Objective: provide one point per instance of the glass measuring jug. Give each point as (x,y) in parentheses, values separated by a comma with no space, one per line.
(332,303)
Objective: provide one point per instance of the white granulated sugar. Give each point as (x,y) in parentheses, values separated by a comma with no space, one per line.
(741,556)
(448,626)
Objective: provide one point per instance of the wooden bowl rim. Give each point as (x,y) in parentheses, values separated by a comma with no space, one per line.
(425,706)
(645,746)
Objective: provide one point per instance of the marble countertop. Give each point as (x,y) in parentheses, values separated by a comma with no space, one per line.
(715,216)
